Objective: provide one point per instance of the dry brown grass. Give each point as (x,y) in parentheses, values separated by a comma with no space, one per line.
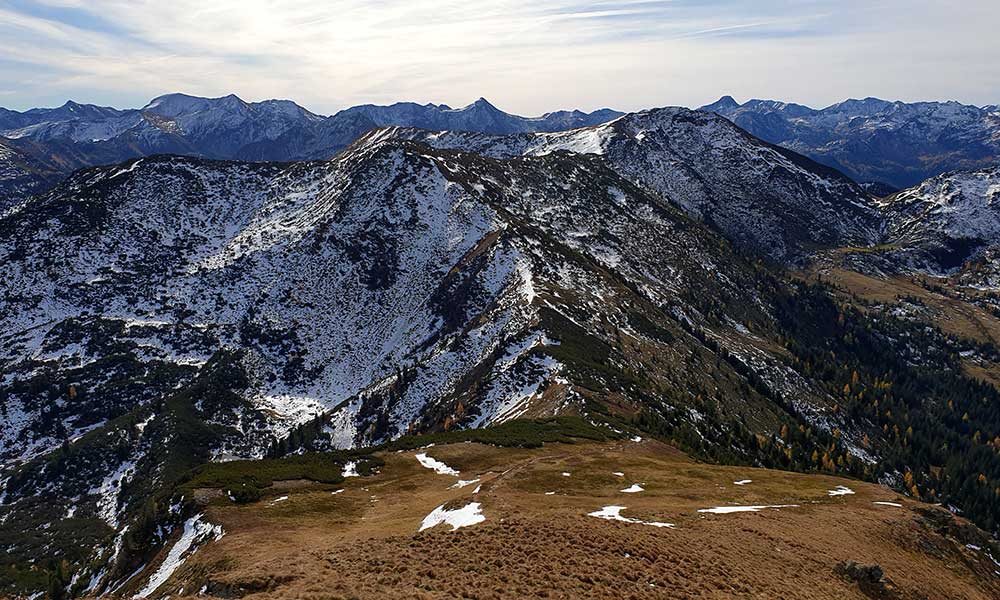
(363,543)
(951,313)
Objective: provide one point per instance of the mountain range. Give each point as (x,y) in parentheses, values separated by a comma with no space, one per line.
(75,135)
(661,274)
(873,140)
(884,146)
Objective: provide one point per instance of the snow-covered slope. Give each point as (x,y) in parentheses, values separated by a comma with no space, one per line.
(896,143)
(21,175)
(290,262)
(764,198)
(947,219)
(332,277)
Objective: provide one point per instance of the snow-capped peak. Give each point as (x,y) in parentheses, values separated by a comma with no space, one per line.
(176,105)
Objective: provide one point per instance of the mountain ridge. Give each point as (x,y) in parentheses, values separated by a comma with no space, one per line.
(711,169)
(874,140)
(885,145)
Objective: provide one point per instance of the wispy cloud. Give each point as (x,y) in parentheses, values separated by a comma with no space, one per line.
(527,55)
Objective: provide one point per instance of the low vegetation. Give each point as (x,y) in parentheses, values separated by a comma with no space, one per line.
(933,426)
(519,433)
(244,480)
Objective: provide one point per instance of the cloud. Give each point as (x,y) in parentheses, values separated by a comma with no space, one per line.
(526,55)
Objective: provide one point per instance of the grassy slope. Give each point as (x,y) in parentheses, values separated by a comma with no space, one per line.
(363,542)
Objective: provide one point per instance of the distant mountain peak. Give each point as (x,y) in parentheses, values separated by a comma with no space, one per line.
(177,103)
(482,104)
(725,102)
(173,99)
(864,104)
(173,96)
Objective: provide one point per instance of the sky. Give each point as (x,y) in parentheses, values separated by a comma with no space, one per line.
(525,56)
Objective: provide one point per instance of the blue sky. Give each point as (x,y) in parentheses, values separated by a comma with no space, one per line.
(527,56)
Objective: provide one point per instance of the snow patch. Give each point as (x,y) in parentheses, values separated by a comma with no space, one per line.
(723,510)
(110,489)
(470,514)
(435,465)
(195,532)
(840,490)
(127,170)
(613,513)
(461,483)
